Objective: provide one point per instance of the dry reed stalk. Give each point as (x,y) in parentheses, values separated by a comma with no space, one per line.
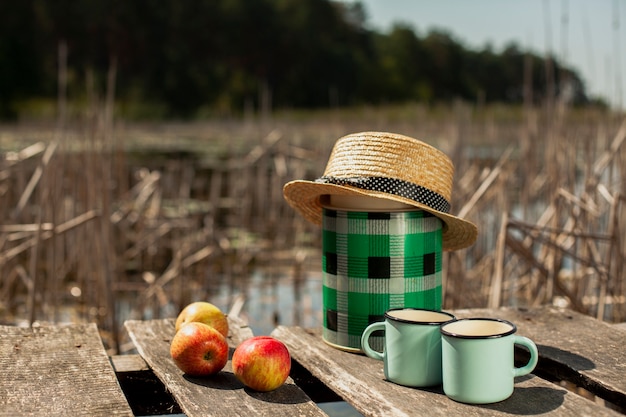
(557,241)
(495,294)
(167,257)
(30,187)
(19,231)
(484,186)
(45,235)
(62,50)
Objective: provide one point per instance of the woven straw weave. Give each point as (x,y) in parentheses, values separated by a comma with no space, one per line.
(385,155)
(391,156)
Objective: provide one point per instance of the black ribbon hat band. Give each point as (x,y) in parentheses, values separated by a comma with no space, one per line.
(393,186)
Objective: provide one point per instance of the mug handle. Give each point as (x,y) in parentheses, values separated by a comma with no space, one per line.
(365,337)
(534,356)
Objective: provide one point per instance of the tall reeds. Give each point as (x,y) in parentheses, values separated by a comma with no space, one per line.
(161,215)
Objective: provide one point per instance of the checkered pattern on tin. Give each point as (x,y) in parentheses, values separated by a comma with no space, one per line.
(373,262)
(415,252)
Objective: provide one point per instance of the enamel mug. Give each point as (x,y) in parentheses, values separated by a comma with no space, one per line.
(412,345)
(478,359)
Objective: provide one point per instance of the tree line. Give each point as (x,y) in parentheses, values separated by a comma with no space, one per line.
(232,54)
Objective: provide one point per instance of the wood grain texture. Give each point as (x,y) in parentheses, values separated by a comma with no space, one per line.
(361,382)
(57,371)
(128,363)
(218,395)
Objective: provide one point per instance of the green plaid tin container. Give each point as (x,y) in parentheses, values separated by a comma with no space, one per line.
(375,261)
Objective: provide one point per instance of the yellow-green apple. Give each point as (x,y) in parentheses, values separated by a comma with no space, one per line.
(203,312)
(261,363)
(199,349)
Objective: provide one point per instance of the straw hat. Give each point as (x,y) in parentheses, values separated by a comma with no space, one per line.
(388,166)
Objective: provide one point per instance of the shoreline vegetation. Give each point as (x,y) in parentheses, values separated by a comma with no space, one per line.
(201,59)
(94,209)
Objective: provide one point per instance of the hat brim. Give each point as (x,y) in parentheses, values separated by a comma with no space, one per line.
(305,197)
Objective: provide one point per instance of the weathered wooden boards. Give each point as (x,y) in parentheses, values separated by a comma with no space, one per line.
(560,335)
(219,395)
(57,371)
(64,371)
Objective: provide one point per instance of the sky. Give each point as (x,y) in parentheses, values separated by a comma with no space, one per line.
(588,36)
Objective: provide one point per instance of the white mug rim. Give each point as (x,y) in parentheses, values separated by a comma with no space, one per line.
(456,335)
(423,322)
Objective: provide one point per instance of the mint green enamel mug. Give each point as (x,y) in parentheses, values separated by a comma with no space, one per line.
(411,347)
(478,359)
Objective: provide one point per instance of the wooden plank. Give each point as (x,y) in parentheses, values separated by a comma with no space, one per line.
(57,371)
(573,346)
(360,381)
(128,363)
(221,394)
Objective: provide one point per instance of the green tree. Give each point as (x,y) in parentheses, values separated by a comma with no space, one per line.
(225,54)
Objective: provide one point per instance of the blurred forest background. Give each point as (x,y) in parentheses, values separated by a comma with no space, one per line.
(204,58)
(144,145)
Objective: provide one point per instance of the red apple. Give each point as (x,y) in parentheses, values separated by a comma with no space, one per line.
(203,312)
(199,349)
(261,363)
